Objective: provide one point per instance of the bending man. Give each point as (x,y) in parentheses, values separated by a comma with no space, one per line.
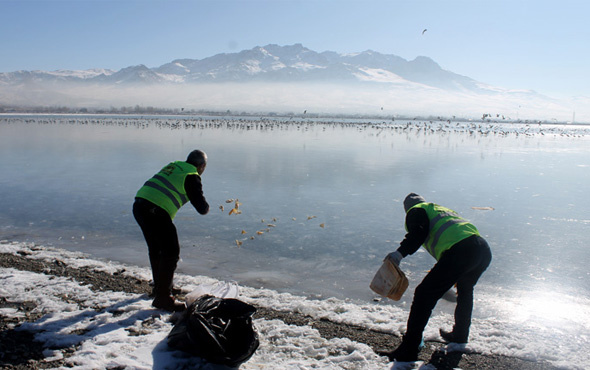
(156,204)
(462,256)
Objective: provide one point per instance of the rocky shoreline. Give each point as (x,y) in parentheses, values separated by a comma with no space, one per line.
(19,351)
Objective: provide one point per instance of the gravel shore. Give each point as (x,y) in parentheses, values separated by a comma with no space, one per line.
(19,351)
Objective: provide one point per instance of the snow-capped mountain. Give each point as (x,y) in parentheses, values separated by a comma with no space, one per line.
(20,77)
(282,79)
(271,63)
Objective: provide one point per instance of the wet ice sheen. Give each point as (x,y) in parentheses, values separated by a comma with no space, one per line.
(71,182)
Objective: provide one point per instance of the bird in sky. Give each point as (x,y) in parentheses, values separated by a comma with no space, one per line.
(424,31)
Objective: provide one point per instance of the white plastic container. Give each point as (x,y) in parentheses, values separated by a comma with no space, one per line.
(220,290)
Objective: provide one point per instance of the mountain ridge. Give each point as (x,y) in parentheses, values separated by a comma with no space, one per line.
(269,63)
(291,78)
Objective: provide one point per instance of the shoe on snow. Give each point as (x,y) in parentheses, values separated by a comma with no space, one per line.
(450,337)
(168,303)
(400,355)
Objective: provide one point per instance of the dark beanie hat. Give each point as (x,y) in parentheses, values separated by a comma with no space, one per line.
(411,200)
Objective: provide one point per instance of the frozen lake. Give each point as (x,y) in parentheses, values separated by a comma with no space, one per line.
(321,202)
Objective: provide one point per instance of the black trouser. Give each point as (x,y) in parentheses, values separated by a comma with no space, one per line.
(463,264)
(162,241)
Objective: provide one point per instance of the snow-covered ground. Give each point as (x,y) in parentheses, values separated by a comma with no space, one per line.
(116,329)
(122,330)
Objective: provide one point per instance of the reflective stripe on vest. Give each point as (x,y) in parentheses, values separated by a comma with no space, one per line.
(166,188)
(446,229)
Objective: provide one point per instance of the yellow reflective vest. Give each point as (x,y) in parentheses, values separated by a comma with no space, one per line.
(446,228)
(166,188)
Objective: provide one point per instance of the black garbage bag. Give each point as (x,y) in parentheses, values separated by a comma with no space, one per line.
(218,330)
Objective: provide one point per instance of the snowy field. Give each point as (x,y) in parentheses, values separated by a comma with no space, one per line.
(114,329)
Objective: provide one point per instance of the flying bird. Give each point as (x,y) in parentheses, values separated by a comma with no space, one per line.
(424,31)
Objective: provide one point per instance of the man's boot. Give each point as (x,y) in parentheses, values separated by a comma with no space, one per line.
(163,288)
(452,337)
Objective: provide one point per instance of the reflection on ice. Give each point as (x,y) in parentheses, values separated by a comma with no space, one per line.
(549,309)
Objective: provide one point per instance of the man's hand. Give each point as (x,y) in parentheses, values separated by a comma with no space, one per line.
(395,257)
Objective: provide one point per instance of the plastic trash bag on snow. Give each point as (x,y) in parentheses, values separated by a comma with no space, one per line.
(218,330)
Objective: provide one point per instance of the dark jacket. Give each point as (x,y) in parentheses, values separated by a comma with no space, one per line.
(194,192)
(418,227)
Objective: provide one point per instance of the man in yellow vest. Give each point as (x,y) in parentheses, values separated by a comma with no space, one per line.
(156,204)
(462,256)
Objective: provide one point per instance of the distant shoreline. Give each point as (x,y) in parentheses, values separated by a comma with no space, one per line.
(157,112)
(20,352)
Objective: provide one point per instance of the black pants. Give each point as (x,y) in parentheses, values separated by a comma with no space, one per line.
(463,264)
(162,241)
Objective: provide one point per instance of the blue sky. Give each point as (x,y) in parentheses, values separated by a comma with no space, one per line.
(540,45)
